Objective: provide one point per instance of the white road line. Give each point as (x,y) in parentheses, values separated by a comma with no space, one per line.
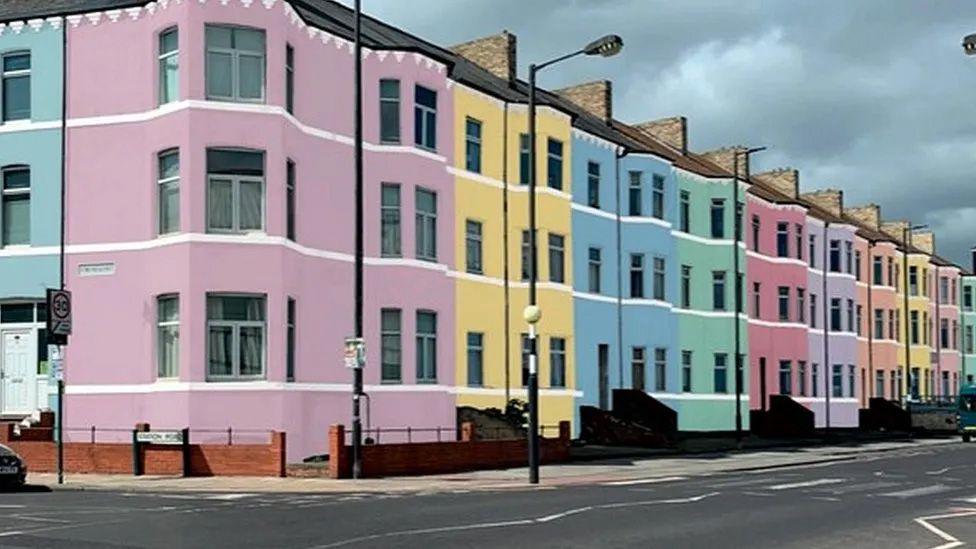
(939,472)
(807,484)
(922,491)
(514,522)
(951,541)
(643,481)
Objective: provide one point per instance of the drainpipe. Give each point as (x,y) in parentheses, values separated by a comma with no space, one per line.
(619,153)
(828,369)
(870,380)
(938,335)
(507,322)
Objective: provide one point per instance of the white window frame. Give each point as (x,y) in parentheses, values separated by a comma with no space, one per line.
(235,67)
(236,181)
(4,193)
(162,325)
(162,59)
(160,183)
(4,75)
(424,220)
(236,326)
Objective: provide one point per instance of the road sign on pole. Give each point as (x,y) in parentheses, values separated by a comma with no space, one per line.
(355,353)
(59,316)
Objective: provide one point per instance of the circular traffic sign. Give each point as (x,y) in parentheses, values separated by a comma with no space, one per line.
(61,306)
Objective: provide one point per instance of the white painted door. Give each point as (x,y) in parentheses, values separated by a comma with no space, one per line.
(17,372)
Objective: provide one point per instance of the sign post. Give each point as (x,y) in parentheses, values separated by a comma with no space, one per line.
(354,357)
(58,330)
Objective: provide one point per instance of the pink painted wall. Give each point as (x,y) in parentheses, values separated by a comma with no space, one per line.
(112,218)
(781,341)
(886,350)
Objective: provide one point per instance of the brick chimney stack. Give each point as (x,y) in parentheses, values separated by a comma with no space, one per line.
(725,159)
(784,180)
(831,200)
(924,241)
(595,98)
(869,214)
(497,54)
(895,229)
(671,131)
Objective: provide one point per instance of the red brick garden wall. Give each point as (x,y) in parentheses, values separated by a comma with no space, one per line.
(116,458)
(430,458)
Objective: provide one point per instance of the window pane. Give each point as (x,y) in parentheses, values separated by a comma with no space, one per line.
(220,204)
(249,40)
(427,323)
(219,75)
(168,41)
(169,207)
(168,309)
(16,179)
(20,62)
(225,161)
(252,351)
(251,198)
(426,97)
(169,165)
(390,121)
(17,312)
(16,219)
(169,351)
(220,351)
(169,70)
(238,308)
(426,201)
(251,76)
(219,37)
(16,98)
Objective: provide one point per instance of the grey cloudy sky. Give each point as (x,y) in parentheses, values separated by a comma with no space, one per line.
(871,96)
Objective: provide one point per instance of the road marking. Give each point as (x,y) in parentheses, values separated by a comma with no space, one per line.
(939,472)
(825,498)
(951,541)
(922,491)
(807,484)
(514,522)
(643,481)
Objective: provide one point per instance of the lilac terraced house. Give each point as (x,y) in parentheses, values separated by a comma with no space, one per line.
(210,230)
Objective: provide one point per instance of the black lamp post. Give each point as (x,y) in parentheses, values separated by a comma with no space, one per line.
(607,46)
(906,236)
(357,386)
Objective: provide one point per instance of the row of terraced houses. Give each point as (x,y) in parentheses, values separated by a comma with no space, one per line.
(208,158)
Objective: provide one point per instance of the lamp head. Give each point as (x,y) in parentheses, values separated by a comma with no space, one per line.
(532,314)
(608,46)
(969,44)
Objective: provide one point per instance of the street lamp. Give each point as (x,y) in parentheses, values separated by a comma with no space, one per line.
(906,235)
(969,44)
(357,385)
(737,236)
(607,46)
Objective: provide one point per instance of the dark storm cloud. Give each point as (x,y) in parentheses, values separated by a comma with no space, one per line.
(871,96)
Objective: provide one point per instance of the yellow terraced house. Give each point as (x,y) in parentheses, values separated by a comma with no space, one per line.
(490,167)
(915,326)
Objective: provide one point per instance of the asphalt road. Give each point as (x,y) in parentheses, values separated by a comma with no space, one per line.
(920,498)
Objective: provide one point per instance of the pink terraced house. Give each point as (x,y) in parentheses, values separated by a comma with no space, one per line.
(210,226)
(776,289)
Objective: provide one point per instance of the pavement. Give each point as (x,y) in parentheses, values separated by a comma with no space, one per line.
(576,473)
(920,496)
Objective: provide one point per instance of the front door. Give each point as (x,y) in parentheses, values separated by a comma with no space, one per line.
(17,372)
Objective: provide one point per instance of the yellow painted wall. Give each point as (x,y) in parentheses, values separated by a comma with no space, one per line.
(919,354)
(480,297)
